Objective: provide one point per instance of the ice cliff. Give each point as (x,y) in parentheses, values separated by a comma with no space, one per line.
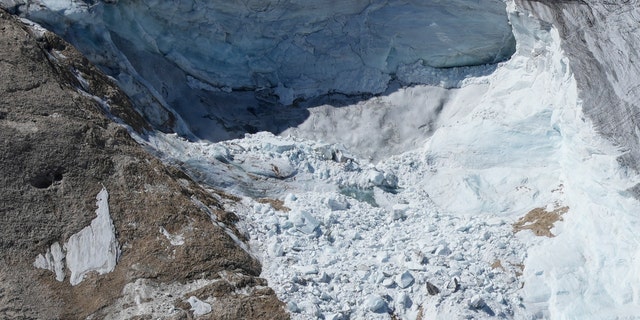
(601,40)
(185,55)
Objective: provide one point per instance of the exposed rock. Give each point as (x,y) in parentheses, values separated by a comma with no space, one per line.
(453,285)
(59,147)
(432,289)
(540,221)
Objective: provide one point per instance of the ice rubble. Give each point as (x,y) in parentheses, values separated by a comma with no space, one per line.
(92,249)
(441,211)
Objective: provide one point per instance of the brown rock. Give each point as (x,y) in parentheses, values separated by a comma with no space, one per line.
(432,289)
(58,148)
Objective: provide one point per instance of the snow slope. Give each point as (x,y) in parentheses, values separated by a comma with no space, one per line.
(405,204)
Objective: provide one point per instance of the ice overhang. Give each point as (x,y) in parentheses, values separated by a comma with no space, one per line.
(302,48)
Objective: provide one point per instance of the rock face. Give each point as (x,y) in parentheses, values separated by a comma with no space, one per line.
(58,150)
(599,37)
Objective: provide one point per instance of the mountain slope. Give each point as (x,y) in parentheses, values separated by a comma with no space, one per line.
(58,150)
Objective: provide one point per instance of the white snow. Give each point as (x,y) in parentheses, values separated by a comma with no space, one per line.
(92,249)
(362,239)
(52,260)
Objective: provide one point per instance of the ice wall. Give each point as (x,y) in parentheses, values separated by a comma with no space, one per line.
(178,53)
(589,271)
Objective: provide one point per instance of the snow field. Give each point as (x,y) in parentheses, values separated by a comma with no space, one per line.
(92,249)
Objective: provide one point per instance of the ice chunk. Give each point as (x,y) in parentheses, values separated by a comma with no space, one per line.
(338,204)
(334,316)
(400,211)
(276,249)
(476,302)
(375,177)
(198,306)
(273,144)
(293,307)
(376,303)
(443,250)
(404,301)
(308,269)
(304,221)
(388,283)
(324,278)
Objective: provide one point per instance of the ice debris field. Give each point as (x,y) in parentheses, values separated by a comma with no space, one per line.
(505,209)
(487,193)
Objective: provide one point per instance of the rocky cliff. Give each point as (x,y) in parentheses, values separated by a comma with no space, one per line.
(599,38)
(177,254)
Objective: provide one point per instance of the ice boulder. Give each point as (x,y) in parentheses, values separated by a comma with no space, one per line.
(376,303)
(405,280)
(304,221)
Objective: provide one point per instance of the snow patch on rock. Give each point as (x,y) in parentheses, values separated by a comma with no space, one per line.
(52,260)
(93,249)
(174,239)
(198,306)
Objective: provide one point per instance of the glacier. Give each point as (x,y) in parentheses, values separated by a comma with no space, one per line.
(359,205)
